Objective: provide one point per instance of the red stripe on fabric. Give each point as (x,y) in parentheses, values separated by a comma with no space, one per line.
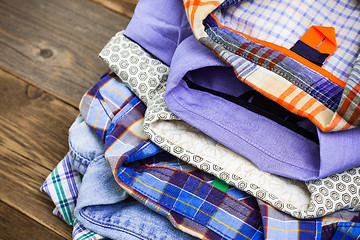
(195,4)
(265,56)
(253,52)
(193,10)
(347,103)
(334,122)
(355,116)
(344,107)
(187,4)
(347,125)
(275,61)
(242,48)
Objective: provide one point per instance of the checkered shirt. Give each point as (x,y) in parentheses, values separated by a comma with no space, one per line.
(255,37)
(62,187)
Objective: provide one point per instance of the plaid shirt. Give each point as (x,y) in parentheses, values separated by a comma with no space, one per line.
(62,186)
(328,95)
(181,192)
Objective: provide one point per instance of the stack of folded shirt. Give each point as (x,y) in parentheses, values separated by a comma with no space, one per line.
(220,120)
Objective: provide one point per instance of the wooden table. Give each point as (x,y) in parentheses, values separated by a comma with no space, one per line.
(48,59)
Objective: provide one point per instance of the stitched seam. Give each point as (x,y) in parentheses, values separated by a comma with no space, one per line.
(242,138)
(79,155)
(118,166)
(108,225)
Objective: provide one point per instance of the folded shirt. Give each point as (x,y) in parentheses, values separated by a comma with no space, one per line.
(273,138)
(276,50)
(62,186)
(173,188)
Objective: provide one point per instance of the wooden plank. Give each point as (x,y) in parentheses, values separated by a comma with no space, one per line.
(15,226)
(124,7)
(54,44)
(33,138)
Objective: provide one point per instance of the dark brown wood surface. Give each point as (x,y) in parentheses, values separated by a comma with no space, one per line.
(48,59)
(54,43)
(10,217)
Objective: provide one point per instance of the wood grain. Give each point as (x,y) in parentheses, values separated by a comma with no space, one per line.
(9,218)
(48,60)
(54,44)
(124,7)
(34,128)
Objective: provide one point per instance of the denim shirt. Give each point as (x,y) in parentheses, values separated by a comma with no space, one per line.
(87,196)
